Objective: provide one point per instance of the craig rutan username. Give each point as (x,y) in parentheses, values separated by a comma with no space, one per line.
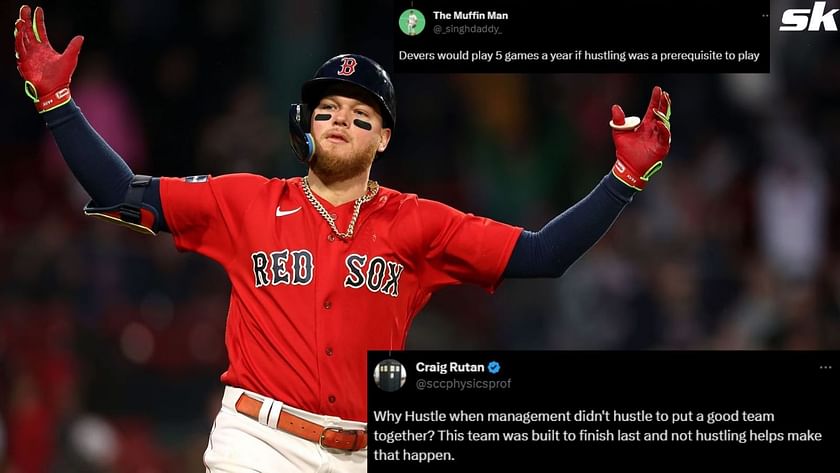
(451,367)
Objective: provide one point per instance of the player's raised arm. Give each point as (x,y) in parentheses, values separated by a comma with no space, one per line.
(640,148)
(117,193)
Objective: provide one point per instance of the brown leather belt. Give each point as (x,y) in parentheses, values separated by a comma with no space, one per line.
(330,437)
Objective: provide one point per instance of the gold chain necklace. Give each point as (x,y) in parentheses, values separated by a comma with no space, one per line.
(372,190)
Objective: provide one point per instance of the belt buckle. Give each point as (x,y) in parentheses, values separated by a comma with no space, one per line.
(339,430)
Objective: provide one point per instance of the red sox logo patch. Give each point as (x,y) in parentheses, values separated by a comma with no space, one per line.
(348,66)
(293,267)
(379,275)
(297,268)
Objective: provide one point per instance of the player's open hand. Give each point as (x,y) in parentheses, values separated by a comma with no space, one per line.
(47,73)
(641,145)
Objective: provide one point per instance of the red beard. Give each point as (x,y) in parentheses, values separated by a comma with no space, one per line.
(334,164)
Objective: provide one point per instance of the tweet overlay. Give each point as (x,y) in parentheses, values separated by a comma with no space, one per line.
(453,36)
(459,411)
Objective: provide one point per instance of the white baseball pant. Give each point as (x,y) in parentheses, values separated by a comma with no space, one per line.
(239,444)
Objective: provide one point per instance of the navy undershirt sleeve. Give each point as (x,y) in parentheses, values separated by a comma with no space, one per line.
(552,250)
(97,167)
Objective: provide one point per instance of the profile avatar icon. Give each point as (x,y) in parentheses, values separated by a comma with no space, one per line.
(389,375)
(412,22)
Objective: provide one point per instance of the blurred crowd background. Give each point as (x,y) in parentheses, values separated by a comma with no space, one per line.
(111,343)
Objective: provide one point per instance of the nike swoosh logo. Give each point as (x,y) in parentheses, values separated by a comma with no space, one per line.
(283,213)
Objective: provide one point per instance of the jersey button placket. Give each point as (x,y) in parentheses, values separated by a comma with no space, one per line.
(327,304)
(329,351)
(331,399)
(330,238)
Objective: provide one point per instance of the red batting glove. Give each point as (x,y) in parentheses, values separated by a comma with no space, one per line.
(47,73)
(641,145)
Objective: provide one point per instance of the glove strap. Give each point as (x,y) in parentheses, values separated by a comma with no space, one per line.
(628,177)
(625,175)
(49,101)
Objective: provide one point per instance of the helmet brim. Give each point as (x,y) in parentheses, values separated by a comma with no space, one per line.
(316,89)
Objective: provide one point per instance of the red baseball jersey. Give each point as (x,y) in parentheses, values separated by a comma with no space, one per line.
(305,305)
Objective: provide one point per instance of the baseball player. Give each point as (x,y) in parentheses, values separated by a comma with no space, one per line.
(326,266)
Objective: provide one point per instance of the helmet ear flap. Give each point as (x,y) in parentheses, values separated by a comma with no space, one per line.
(300,116)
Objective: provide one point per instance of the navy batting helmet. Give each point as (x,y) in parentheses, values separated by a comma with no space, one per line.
(353,69)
